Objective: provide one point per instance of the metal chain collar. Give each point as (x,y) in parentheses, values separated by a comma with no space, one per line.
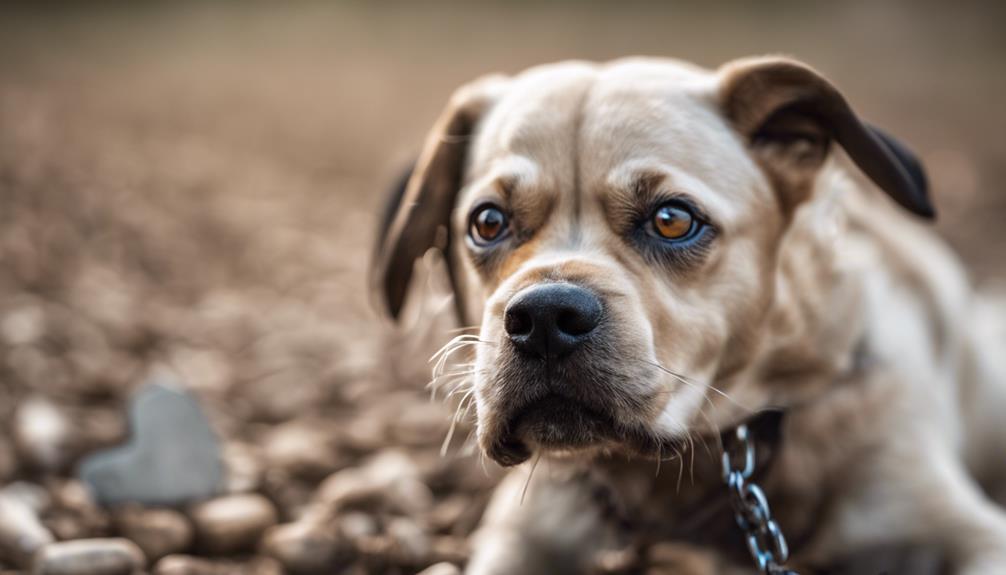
(764,539)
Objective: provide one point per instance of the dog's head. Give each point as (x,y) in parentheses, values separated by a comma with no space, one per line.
(616,227)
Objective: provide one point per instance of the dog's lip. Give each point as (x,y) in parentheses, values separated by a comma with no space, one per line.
(553,422)
(516,442)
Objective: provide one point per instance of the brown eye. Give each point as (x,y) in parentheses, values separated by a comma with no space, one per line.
(489,223)
(673,222)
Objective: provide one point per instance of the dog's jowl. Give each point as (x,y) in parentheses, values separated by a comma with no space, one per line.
(653,253)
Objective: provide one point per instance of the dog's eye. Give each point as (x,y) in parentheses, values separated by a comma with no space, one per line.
(488,224)
(673,221)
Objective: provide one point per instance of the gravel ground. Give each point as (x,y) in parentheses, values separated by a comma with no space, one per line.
(194,191)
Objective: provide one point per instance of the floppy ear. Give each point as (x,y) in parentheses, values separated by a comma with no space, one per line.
(790,114)
(420,211)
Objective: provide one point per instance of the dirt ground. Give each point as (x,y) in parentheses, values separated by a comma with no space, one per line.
(195,187)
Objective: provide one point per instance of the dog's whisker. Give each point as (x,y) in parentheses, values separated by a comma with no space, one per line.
(457,342)
(530,474)
(454,382)
(447,376)
(469,445)
(681,469)
(699,385)
(458,413)
(440,358)
(460,389)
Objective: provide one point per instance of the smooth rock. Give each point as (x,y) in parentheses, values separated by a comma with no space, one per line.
(21,531)
(23,325)
(114,556)
(243,469)
(173,456)
(185,565)
(421,424)
(36,497)
(445,514)
(441,569)
(302,449)
(158,532)
(76,514)
(355,524)
(412,545)
(42,434)
(191,565)
(306,548)
(390,480)
(232,523)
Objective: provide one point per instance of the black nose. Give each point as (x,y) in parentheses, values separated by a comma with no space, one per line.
(551,320)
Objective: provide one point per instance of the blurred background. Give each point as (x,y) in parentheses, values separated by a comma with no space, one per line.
(192,189)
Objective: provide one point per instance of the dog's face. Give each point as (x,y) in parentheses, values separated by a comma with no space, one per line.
(617,227)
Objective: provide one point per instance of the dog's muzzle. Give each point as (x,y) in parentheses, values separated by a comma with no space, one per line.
(551,395)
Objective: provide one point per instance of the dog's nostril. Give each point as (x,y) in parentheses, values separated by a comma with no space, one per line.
(578,320)
(517,322)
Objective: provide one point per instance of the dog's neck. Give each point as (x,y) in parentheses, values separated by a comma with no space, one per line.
(811,332)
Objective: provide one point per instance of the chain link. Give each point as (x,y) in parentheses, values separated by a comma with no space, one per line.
(764,539)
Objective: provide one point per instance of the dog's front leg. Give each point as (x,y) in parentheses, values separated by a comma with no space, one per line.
(917,491)
(548,523)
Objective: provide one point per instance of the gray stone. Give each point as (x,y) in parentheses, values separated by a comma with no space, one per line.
(172,457)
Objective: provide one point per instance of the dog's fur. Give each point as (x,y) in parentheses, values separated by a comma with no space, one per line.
(813,293)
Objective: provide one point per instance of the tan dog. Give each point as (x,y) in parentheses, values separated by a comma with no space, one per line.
(657,251)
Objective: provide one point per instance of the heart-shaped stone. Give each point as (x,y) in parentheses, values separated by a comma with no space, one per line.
(173,456)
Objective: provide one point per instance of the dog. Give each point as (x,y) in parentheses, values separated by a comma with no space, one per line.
(657,253)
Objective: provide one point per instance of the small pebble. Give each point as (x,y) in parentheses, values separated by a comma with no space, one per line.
(303,449)
(421,424)
(243,469)
(306,548)
(441,569)
(388,480)
(355,524)
(42,434)
(445,514)
(158,532)
(411,545)
(232,523)
(21,532)
(191,565)
(76,516)
(35,496)
(90,557)
(23,325)
(185,565)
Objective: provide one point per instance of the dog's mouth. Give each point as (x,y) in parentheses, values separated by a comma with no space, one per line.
(552,423)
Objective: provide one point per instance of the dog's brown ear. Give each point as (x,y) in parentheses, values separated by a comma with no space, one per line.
(790,115)
(419,217)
